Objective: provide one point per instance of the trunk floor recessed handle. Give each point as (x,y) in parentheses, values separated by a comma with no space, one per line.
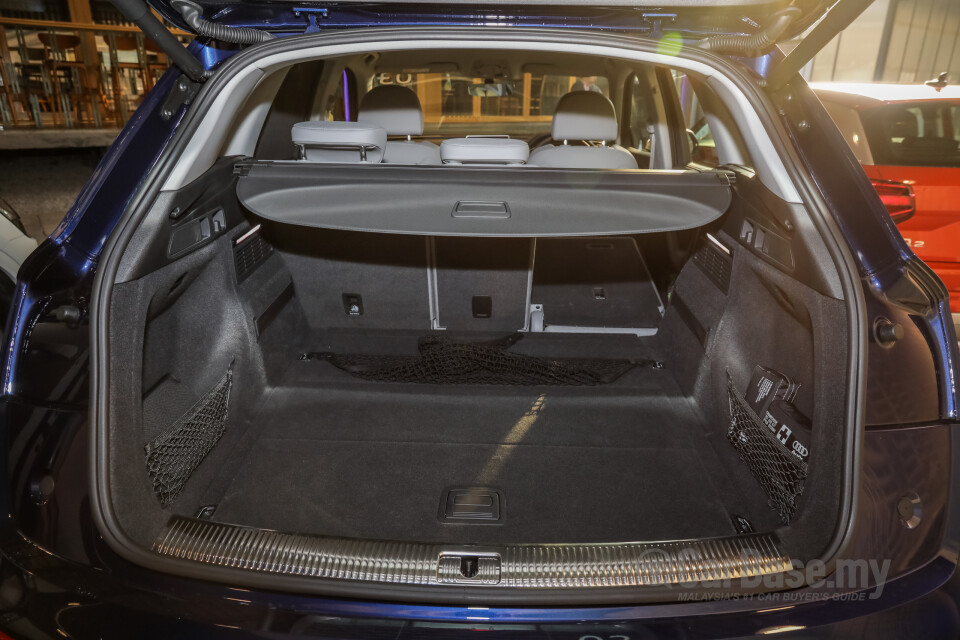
(471,505)
(481,209)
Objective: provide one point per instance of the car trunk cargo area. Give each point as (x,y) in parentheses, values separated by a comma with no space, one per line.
(467,391)
(327,453)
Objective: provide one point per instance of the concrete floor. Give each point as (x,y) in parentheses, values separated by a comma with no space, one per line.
(42,185)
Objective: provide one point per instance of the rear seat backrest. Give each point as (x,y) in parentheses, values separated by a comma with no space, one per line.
(584,116)
(326,141)
(482,150)
(397,110)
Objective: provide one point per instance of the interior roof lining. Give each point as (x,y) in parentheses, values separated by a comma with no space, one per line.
(212,132)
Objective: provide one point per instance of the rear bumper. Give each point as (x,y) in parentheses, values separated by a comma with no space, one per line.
(45,596)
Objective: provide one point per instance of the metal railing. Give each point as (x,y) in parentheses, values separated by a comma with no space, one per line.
(65,75)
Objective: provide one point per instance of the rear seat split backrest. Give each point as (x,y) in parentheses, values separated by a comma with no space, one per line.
(327,141)
(584,116)
(397,110)
(484,150)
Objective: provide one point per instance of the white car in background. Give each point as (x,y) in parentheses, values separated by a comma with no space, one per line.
(15,246)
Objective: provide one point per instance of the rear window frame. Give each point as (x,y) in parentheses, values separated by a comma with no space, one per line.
(880,142)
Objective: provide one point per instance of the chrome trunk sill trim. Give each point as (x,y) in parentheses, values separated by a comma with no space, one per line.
(520,566)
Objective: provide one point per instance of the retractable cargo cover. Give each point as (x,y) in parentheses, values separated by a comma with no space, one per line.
(482,201)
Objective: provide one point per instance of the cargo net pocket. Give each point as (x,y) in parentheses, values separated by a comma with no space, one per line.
(173,456)
(442,361)
(778,471)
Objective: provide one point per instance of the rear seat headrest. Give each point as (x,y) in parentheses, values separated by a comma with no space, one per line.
(584,115)
(327,141)
(482,150)
(395,108)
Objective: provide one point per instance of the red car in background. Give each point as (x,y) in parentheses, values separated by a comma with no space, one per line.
(907,137)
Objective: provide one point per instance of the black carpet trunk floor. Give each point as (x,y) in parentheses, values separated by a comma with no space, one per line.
(392,490)
(372,460)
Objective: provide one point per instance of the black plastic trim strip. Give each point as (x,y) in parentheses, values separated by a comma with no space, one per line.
(689,319)
(270,314)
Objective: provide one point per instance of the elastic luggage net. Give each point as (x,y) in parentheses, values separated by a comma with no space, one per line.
(442,361)
(174,455)
(780,473)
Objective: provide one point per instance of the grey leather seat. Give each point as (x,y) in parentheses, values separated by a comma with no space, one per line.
(328,141)
(584,116)
(397,110)
(484,150)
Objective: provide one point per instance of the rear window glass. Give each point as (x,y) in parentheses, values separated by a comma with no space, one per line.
(919,134)
(703,148)
(520,106)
